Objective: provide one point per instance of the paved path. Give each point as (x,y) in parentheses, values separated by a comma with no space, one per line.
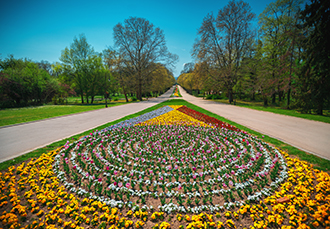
(20,139)
(309,136)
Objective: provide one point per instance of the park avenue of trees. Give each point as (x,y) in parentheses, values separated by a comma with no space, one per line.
(285,61)
(138,66)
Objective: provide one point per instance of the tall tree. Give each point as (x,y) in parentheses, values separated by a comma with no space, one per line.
(223,42)
(141,44)
(75,62)
(314,77)
(279,31)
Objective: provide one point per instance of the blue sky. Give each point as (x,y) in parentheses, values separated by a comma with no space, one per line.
(39,30)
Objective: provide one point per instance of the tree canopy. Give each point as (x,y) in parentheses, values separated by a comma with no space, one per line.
(141,45)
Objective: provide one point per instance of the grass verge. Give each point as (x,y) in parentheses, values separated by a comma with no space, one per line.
(28,114)
(278,110)
(319,163)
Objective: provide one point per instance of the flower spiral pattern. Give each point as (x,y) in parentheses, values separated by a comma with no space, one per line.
(173,162)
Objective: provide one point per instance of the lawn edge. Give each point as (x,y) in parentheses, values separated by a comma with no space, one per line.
(317,162)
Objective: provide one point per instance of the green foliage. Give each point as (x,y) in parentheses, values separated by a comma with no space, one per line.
(23,83)
(83,69)
(314,79)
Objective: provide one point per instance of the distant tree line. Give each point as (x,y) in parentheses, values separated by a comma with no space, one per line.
(285,61)
(23,83)
(138,66)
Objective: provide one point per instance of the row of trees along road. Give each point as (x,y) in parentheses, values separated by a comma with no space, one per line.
(138,65)
(285,59)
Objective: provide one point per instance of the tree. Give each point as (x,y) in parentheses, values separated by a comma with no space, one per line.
(279,32)
(75,61)
(223,42)
(314,78)
(118,69)
(141,45)
(188,67)
(24,83)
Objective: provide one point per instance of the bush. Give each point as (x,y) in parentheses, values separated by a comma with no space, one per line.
(115,99)
(209,97)
(214,96)
(133,98)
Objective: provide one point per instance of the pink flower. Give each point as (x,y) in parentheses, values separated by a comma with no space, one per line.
(115,172)
(120,184)
(74,167)
(224,185)
(194,176)
(127,185)
(100,179)
(115,183)
(161,178)
(179,187)
(194,168)
(107,168)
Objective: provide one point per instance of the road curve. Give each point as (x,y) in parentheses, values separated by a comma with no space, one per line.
(309,136)
(20,139)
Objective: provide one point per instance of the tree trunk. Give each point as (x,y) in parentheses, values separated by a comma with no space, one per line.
(273,98)
(265,101)
(279,93)
(82,96)
(288,95)
(230,95)
(319,110)
(125,95)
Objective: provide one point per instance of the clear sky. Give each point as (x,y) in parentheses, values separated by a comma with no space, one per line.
(39,30)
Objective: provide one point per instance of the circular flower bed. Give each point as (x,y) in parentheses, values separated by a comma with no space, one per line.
(170,168)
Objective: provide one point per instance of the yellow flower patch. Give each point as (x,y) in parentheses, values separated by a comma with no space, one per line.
(175,107)
(174,117)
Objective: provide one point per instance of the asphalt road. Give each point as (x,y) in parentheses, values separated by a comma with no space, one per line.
(309,136)
(20,139)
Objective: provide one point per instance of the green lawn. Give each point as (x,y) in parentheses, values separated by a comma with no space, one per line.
(27,114)
(278,110)
(318,163)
